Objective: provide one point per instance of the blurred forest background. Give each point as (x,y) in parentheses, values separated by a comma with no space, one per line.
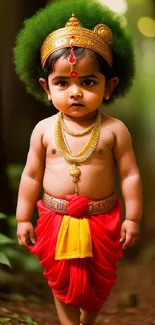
(19,113)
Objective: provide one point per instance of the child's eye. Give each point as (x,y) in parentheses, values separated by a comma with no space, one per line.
(88,82)
(62,83)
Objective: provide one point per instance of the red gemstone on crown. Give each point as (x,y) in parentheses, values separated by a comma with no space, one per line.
(72,58)
(73,74)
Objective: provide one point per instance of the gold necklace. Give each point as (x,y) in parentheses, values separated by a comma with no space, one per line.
(83,154)
(86,151)
(73,133)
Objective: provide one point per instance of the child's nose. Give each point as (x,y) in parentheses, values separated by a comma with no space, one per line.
(75,95)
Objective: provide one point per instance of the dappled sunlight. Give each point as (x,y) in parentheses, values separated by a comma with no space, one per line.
(119,6)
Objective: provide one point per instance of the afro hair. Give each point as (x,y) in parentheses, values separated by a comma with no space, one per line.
(54,16)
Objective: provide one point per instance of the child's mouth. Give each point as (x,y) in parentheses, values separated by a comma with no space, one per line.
(76,104)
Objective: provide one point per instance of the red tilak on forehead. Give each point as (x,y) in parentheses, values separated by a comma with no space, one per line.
(72,58)
(73,74)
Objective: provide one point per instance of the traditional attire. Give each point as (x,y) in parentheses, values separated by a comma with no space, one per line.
(79,250)
(77,239)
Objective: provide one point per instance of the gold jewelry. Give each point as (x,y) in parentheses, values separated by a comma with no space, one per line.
(89,147)
(75,173)
(98,40)
(83,154)
(73,133)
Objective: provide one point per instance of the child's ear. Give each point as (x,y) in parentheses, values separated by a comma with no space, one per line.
(44,85)
(111,85)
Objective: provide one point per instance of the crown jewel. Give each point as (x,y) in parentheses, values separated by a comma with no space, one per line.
(104,32)
(98,40)
(72,22)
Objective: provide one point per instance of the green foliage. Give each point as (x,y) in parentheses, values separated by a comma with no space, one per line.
(3,241)
(4,260)
(20,258)
(3,216)
(29,320)
(54,16)
(14,174)
(4,320)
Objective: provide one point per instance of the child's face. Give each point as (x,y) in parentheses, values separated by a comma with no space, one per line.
(78,96)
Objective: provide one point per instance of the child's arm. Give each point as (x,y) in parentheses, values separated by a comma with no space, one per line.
(30,186)
(130,185)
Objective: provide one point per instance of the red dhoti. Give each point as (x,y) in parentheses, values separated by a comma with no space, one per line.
(83,282)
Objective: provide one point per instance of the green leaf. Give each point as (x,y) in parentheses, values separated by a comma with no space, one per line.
(14,170)
(16,297)
(14,174)
(12,222)
(3,216)
(4,260)
(5,240)
(29,320)
(4,320)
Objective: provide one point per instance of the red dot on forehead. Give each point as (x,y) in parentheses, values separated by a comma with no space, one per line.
(73,74)
(72,37)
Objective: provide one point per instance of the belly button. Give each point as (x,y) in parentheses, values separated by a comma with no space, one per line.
(53,151)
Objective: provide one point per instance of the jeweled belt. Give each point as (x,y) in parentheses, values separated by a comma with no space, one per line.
(92,208)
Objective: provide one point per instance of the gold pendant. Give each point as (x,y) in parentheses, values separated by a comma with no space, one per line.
(74,172)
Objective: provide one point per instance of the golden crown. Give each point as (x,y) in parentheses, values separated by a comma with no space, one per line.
(98,40)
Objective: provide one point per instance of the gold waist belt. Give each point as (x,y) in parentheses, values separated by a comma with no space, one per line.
(74,237)
(92,208)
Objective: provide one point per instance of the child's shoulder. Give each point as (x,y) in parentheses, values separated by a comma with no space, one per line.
(45,123)
(43,126)
(117,126)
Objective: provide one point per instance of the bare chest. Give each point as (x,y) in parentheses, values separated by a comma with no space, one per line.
(103,148)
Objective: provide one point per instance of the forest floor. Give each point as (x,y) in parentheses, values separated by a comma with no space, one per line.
(132,301)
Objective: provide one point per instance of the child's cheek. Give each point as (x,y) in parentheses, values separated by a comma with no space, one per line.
(58,100)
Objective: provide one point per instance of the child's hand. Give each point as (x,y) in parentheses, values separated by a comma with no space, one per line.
(26,234)
(129,233)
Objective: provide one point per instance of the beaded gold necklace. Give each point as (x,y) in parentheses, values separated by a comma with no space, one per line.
(84,153)
(77,134)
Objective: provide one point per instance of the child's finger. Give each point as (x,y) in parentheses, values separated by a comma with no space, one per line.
(123,234)
(122,239)
(19,241)
(24,241)
(134,240)
(32,236)
(128,241)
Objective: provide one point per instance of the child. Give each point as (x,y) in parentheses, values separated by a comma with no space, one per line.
(73,154)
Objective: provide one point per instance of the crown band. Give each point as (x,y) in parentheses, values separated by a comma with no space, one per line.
(98,40)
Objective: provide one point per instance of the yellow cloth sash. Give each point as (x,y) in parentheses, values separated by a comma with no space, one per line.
(74,239)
